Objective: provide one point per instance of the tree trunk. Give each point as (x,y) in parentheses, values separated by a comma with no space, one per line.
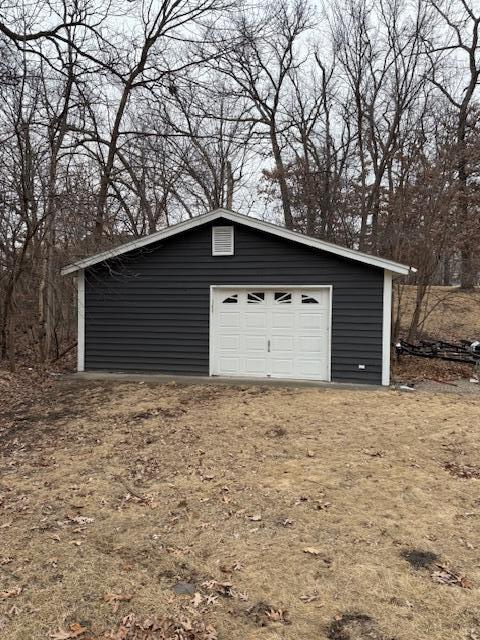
(230,185)
(468,275)
(413,329)
(282,180)
(447,271)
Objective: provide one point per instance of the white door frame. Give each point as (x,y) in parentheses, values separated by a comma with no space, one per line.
(270,287)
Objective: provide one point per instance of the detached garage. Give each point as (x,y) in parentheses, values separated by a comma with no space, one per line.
(228,295)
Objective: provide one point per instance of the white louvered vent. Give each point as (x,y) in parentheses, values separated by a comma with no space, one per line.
(222,241)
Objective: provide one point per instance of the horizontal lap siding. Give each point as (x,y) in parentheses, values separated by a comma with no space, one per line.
(149,311)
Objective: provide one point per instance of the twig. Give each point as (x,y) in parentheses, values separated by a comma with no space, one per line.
(65,351)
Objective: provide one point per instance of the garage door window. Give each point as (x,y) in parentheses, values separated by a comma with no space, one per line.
(231,299)
(306,299)
(283,297)
(256,297)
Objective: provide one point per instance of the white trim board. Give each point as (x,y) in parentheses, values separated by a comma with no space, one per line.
(81,321)
(387,327)
(259,287)
(254,223)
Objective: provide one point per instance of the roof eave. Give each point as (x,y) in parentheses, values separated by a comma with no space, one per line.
(267,227)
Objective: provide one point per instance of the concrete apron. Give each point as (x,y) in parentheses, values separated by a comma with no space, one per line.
(162,378)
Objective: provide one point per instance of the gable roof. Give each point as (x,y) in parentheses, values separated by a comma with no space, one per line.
(254,223)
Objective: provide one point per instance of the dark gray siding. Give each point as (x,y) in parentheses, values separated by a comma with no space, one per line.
(149,311)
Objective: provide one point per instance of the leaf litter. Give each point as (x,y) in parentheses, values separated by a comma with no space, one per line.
(162,628)
(158,537)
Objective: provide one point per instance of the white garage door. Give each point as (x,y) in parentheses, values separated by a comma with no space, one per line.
(266,332)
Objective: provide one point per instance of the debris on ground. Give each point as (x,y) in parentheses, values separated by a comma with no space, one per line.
(184,588)
(313,551)
(310,597)
(460,351)
(419,559)
(466,471)
(116,598)
(263,614)
(162,628)
(409,370)
(354,626)
(444,575)
(75,630)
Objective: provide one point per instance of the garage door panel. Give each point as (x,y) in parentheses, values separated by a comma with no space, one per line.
(309,368)
(256,366)
(256,343)
(280,333)
(282,367)
(311,320)
(229,320)
(311,344)
(282,343)
(283,320)
(256,320)
(230,366)
(229,343)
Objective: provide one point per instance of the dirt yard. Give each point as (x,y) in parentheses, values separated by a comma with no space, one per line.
(200,513)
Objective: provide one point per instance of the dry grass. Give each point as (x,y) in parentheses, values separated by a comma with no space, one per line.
(206,483)
(451,314)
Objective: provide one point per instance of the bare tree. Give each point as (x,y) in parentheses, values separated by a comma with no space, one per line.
(259,68)
(462,22)
(159,23)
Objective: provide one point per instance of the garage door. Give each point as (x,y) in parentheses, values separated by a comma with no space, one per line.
(266,332)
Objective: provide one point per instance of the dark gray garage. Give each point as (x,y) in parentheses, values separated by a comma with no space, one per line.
(229,295)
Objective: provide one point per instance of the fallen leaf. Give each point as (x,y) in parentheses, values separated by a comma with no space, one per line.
(310,597)
(447,576)
(81,520)
(312,551)
(373,454)
(197,599)
(236,566)
(277,615)
(74,631)
(11,593)
(115,599)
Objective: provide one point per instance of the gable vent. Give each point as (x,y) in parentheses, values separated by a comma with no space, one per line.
(222,241)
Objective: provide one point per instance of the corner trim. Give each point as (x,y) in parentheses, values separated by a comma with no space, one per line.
(387,327)
(81,320)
